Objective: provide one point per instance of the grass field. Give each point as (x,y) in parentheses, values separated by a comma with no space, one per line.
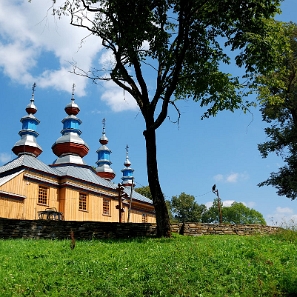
(179,266)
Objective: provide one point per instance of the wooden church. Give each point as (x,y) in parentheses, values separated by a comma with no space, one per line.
(68,189)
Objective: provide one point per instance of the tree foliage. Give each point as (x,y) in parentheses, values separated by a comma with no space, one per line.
(278,95)
(185,209)
(237,213)
(211,215)
(181,45)
(145,191)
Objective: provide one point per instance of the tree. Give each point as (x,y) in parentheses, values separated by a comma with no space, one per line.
(278,95)
(185,209)
(211,215)
(145,191)
(181,44)
(237,213)
(169,209)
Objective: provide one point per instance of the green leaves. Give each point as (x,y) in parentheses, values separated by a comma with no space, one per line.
(237,213)
(186,209)
(278,98)
(145,191)
(186,44)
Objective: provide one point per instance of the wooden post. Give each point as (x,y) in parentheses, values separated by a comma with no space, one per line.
(215,190)
(220,210)
(130,203)
(121,196)
(120,190)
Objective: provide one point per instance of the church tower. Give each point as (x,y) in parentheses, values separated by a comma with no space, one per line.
(104,170)
(28,144)
(127,178)
(70,148)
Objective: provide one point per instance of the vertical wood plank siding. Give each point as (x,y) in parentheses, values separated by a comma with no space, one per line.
(65,199)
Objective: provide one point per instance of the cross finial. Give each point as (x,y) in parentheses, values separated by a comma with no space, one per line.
(73,89)
(103,123)
(127,149)
(33,91)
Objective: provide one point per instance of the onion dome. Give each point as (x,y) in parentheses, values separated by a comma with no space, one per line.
(28,144)
(70,148)
(127,178)
(103,170)
(72,108)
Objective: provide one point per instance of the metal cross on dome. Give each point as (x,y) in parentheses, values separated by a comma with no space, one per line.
(103,124)
(73,89)
(33,91)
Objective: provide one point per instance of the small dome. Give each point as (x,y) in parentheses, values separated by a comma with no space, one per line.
(72,108)
(103,140)
(127,162)
(31,108)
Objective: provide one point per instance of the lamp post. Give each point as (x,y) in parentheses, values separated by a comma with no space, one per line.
(216,191)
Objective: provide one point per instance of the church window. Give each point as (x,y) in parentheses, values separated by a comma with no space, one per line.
(82,201)
(106,207)
(42,195)
(144,218)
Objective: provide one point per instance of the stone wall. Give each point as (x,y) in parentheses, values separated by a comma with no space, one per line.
(12,228)
(196,229)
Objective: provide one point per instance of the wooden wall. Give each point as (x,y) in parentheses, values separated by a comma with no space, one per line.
(11,208)
(16,185)
(65,200)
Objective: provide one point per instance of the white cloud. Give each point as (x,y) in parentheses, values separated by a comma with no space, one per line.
(233,177)
(282,216)
(250,204)
(117,98)
(96,111)
(5,157)
(227,203)
(284,210)
(209,204)
(107,60)
(218,177)
(34,34)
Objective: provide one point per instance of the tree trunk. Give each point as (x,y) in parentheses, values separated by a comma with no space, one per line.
(162,217)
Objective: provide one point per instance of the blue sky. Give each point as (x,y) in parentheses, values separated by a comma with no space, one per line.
(192,156)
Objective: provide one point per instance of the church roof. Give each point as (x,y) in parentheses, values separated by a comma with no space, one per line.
(7,178)
(29,162)
(137,196)
(83,173)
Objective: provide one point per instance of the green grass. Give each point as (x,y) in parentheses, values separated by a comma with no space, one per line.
(180,266)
